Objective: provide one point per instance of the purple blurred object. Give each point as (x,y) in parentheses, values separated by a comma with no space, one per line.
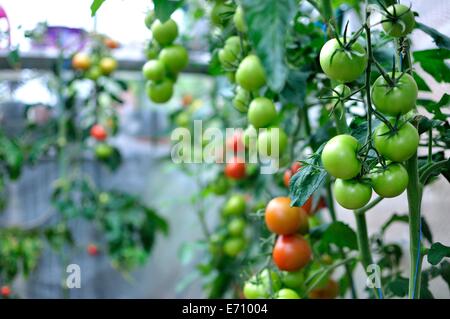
(69,39)
(5,34)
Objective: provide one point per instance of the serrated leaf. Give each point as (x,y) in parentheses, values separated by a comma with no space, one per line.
(339,234)
(437,252)
(304,183)
(165,8)
(421,84)
(268,24)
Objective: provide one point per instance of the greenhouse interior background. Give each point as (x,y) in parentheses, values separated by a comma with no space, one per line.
(144,140)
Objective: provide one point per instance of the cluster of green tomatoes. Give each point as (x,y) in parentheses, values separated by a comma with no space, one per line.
(165,59)
(393,141)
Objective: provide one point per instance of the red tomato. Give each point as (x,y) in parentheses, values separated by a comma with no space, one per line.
(98,132)
(295,167)
(287,177)
(92,250)
(235,143)
(235,169)
(291,252)
(5,291)
(307,206)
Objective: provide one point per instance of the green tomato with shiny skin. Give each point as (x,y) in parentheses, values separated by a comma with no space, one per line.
(389,182)
(164,33)
(261,112)
(250,73)
(160,92)
(398,146)
(399,22)
(343,65)
(154,70)
(174,57)
(235,205)
(339,157)
(352,194)
(397,99)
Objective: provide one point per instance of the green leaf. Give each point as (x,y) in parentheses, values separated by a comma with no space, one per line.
(398,287)
(165,8)
(11,153)
(441,40)
(438,252)
(268,24)
(341,235)
(294,90)
(433,62)
(425,124)
(444,269)
(96,4)
(305,182)
(435,107)
(421,84)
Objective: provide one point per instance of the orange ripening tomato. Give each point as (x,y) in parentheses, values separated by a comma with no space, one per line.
(186,100)
(235,169)
(98,132)
(282,219)
(291,252)
(81,61)
(5,291)
(110,43)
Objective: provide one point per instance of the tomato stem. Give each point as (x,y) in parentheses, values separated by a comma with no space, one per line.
(414,194)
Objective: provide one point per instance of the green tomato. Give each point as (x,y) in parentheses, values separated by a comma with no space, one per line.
(227,58)
(154,70)
(398,146)
(389,182)
(235,205)
(274,280)
(253,290)
(399,22)
(250,73)
(261,112)
(241,99)
(149,19)
(160,92)
(239,21)
(272,137)
(286,293)
(164,33)
(233,246)
(220,186)
(339,157)
(103,151)
(175,58)
(182,119)
(343,65)
(341,91)
(352,194)
(293,279)
(236,226)
(220,13)
(94,73)
(396,100)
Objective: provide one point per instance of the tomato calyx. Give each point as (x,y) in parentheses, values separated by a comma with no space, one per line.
(394,17)
(346,46)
